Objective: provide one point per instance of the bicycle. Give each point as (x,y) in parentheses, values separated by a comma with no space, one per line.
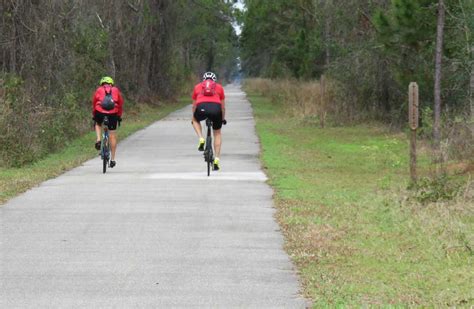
(105,146)
(208,150)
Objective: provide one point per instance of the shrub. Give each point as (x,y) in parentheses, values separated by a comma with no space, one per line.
(303,99)
(436,189)
(30,128)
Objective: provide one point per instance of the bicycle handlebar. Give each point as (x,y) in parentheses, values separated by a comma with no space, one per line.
(119,120)
(224,122)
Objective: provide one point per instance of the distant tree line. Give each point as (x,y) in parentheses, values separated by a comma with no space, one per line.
(370,49)
(53,53)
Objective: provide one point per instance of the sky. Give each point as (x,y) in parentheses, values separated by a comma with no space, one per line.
(240,5)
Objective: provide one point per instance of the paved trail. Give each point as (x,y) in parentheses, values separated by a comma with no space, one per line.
(153,232)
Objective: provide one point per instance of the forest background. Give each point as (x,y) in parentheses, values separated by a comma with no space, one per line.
(53,53)
(369,52)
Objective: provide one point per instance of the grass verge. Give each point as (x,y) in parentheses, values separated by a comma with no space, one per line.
(350,228)
(17,180)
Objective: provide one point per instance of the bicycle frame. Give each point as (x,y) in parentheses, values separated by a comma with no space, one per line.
(105,145)
(208,151)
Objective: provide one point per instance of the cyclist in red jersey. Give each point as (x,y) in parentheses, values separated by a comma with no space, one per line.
(107,101)
(209,102)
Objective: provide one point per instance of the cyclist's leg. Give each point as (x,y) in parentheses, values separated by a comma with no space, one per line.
(113,143)
(197,127)
(99,119)
(217,142)
(98,131)
(112,125)
(199,115)
(215,114)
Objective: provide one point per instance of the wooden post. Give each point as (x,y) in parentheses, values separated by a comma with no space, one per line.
(413,123)
(322,106)
(471,95)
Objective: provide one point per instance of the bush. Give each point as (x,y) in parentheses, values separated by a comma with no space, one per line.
(16,128)
(303,99)
(30,128)
(459,139)
(437,189)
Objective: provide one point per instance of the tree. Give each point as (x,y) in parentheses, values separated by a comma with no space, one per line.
(52,54)
(437,80)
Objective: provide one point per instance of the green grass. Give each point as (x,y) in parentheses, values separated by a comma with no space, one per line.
(17,180)
(341,201)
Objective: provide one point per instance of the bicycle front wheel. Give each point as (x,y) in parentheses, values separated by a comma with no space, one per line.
(105,154)
(104,164)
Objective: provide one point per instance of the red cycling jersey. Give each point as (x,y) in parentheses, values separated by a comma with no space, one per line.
(199,97)
(99,95)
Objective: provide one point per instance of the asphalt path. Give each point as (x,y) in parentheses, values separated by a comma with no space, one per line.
(153,232)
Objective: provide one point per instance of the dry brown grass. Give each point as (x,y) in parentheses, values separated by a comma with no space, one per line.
(355,235)
(308,243)
(306,99)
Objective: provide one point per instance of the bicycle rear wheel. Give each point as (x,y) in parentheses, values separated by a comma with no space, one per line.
(105,154)
(210,155)
(208,158)
(104,165)
(208,152)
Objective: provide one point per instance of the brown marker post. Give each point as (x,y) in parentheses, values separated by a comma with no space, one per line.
(322,106)
(413,123)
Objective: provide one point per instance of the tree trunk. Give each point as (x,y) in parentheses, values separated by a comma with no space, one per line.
(210,58)
(437,85)
(327,35)
(471,95)
(13,47)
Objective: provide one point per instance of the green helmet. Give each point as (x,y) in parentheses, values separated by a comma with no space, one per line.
(106,80)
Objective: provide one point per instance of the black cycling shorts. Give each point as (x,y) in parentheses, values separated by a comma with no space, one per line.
(212,111)
(113,119)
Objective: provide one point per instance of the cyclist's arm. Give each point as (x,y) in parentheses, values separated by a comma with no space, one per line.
(194,98)
(223,109)
(94,99)
(120,105)
(222,97)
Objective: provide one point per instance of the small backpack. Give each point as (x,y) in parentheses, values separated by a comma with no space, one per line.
(208,88)
(108,103)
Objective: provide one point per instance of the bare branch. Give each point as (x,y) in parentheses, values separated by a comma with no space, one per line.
(132,7)
(15,8)
(368,19)
(100,20)
(8,41)
(24,25)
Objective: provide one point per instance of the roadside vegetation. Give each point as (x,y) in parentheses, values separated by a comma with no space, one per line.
(357,235)
(53,53)
(368,52)
(14,180)
(370,49)
(330,91)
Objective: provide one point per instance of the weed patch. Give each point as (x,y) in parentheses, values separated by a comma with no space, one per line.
(436,189)
(351,227)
